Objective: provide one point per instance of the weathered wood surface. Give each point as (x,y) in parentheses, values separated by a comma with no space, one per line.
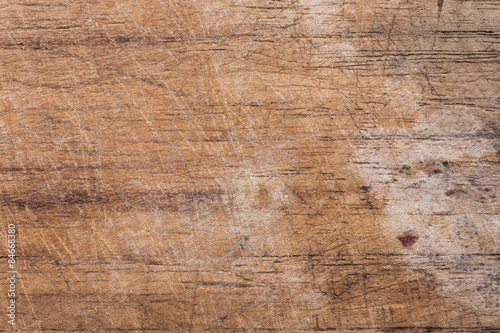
(238,166)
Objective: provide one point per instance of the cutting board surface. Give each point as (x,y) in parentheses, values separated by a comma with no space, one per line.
(251,166)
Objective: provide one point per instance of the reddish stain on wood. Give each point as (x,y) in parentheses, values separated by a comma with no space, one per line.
(408,239)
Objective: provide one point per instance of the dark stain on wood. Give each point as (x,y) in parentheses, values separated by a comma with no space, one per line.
(408,239)
(449,193)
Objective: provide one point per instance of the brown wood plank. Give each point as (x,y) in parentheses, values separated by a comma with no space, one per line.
(251,166)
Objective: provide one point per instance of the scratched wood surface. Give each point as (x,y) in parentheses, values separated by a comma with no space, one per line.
(251,166)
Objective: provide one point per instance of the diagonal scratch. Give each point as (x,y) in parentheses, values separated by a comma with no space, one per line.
(440,7)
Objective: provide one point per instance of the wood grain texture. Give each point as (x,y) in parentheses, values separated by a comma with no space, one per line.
(251,166)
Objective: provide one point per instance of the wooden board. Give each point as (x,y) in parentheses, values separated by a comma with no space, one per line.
(251,166)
